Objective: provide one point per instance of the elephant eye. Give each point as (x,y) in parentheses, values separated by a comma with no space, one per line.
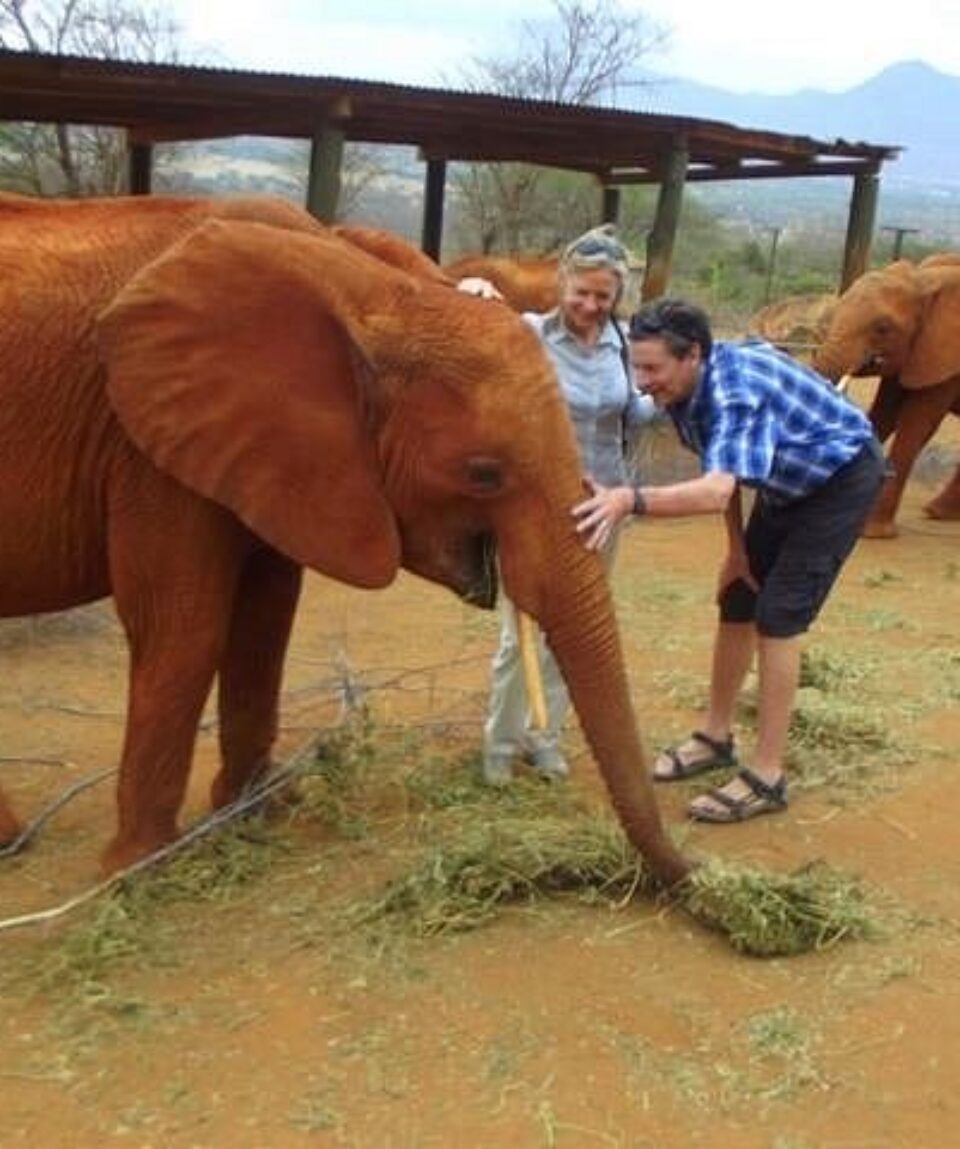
(484,475)
(883,328)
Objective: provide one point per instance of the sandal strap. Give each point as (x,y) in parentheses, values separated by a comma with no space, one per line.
(722,747)
(772,791)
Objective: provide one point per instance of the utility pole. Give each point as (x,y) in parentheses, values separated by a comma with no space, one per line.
(898,234)
(771,261)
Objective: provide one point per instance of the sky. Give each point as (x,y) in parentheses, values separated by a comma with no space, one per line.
(741,45)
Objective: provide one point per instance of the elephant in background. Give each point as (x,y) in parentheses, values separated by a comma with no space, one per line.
(796,323)
(198,398)
(525,284)
(903,324)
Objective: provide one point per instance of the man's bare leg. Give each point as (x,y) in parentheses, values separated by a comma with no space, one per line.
(733,649)
(778,676)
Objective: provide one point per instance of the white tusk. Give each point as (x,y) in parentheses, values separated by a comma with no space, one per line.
(844,384)
(527,637)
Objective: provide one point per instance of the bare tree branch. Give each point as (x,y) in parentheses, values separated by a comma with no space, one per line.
(45,159)
(586,54)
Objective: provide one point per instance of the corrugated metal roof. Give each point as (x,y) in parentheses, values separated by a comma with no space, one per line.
(158,102)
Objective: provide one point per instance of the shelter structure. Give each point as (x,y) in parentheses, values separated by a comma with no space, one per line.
(157,103)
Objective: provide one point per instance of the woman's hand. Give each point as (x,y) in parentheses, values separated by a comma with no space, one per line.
(474,285)
(598,515)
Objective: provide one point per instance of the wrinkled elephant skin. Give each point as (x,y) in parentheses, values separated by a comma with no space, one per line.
(525,284)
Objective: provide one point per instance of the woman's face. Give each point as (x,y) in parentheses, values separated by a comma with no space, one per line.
(586,300)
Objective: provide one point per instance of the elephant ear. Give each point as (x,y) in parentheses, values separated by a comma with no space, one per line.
(228,364)
(394,251)
(935,354)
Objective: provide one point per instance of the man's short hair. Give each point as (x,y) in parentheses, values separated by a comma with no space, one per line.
(679,324)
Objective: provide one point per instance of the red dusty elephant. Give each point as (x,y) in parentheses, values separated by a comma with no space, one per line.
(199,398)
(903,324)
(525,284)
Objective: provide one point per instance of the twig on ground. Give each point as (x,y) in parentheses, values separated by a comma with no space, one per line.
(33,760)
(198,830)
(32,828)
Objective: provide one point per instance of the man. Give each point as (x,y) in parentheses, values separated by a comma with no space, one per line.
(756,419)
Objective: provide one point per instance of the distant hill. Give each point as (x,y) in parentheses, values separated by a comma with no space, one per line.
(910,105)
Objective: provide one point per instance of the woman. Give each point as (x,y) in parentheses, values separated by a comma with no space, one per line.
(588,350)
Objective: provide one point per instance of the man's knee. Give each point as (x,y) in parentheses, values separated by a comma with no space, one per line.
(738,602)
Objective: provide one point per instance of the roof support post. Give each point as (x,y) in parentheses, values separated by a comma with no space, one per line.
(139,167)
(660,241)
(323,183)
(431,236)
(611,205)
(863,214)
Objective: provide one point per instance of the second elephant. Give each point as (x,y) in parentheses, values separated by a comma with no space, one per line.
(903,324)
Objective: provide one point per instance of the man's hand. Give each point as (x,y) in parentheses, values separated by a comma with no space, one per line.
(598,515)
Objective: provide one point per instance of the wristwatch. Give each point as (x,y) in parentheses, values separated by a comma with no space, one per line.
(639,502)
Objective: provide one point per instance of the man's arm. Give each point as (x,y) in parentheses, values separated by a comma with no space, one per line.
(598,515)
(707,494)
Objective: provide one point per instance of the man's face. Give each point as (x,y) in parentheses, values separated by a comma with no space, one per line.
(660,374)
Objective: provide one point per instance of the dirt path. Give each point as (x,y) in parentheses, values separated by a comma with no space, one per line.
(257,1020)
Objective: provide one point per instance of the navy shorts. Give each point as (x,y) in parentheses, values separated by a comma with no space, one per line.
(796,548)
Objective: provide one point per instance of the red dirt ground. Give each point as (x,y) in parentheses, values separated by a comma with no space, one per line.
(252,1025)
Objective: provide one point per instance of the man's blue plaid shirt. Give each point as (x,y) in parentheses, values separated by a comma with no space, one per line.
(770,421)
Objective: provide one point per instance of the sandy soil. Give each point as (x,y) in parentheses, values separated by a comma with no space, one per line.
(252,1022)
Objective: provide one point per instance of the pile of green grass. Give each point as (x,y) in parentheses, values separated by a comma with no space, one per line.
(774,915)
(461,885)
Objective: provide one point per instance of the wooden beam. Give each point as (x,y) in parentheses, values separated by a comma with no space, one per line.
(860,225)
(747,171)
(611,204)
(323,184)
(139,168)
(660,241)
(433,196)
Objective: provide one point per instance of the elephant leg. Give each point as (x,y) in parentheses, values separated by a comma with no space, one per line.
(9,826)
(921,413)
(251,671)
(174,574)
(947,503)
(884,408)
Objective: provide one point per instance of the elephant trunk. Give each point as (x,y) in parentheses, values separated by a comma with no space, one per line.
(829,363)
(581,630)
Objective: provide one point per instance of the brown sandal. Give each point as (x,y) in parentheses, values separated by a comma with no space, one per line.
(721,753)
(762,797)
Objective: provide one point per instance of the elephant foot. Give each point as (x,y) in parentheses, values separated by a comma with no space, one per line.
(879,529)
(10,828)
(126,851)
(943,511)
(280,801)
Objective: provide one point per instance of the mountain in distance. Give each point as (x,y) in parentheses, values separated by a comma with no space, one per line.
(909,105)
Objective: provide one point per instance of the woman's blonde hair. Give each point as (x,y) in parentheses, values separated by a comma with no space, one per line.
(596,249)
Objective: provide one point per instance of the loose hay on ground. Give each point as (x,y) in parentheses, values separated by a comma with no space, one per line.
(770,915)
(461,885)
